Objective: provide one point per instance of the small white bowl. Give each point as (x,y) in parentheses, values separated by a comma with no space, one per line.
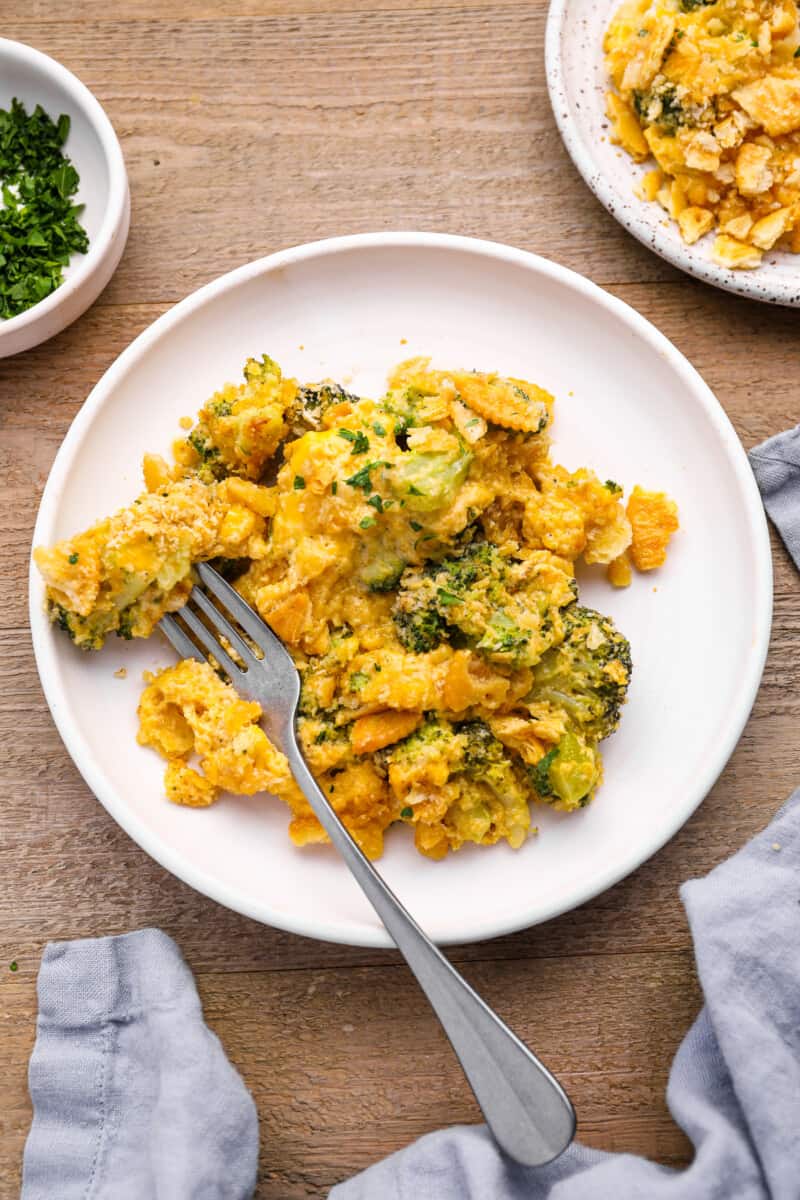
(578,81)
(96,155)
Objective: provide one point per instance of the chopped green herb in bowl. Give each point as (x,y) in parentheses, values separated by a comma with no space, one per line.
(40,228)
(57,150)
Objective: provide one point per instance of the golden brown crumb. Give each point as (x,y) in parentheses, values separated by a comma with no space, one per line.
(122,673)
(654,519)
(186,422)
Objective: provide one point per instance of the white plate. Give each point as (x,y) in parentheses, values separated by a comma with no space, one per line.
(628,404)
(578,82)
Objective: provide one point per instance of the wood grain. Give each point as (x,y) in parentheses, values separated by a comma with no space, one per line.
(248,125)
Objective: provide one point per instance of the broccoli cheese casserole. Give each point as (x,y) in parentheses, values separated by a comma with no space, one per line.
(416,554)
(711,90)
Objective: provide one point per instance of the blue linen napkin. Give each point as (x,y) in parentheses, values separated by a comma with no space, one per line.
(132,1094)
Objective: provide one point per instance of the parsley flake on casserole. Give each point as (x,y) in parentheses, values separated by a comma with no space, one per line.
(417,555)
(711,90)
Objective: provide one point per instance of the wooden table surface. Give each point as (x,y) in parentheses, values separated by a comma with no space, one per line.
(247,126)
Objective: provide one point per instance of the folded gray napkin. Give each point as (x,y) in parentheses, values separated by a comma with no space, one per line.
(133,1097)
(776,466)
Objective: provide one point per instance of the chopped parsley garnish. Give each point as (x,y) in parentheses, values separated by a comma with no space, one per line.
(73,558)
(376,502)
(381,432)
(360,440)
(413,491)
(362,479)
(415,525)
(39,226)
(406,812)
(366,522)
(613,487)
(13,966)
(334,488)
(320,738)
(299,483)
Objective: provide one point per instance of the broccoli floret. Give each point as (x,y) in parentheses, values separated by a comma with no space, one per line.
(693,5)
(203,448)
(239,429)
(587,675)
(423,610)
(465,768)
(383,570)
(486,759)
(568,774)
(503,638)
(420,629)
(258,369)
(60,617)
(124,629)
(472,599)
(314,399)
(428,481)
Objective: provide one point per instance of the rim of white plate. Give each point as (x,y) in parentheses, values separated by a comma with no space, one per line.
(640,217)
(117,212)
(45,645)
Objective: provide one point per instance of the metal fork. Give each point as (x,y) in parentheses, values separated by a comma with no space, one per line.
(526,1109)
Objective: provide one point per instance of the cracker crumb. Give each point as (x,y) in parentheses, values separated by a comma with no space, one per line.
(301,347)
(776,845)
(348,1029)
(122,673)
(403,341)
(186,422)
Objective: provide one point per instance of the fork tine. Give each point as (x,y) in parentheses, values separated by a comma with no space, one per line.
(249,620)
(211,643)
(179,640)
(223,625)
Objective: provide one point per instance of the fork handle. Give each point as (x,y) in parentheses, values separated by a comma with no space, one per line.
(526,1109)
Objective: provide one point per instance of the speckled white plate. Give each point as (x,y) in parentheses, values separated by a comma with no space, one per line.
(628,403)
(577,81)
